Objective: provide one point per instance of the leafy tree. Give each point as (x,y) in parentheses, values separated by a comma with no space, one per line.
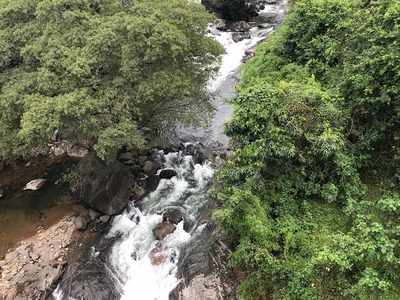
(100,71)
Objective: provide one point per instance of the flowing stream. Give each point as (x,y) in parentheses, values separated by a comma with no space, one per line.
(137,265)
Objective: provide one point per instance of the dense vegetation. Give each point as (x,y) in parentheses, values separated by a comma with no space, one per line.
(102,72)
(311,195)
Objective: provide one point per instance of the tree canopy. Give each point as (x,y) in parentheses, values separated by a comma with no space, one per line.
(311,198)
(100,71)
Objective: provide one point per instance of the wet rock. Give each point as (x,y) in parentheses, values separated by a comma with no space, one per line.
(151,182)
(87,278)
(187,148)
(240,36)
(35,184)
(81,222)
(163,229)
(102,187)
(104,219)
(240,26)
(167,173)
(154,162)
(135,218)
(199,152)
(173,215)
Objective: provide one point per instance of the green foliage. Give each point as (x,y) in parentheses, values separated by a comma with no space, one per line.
(310,198)
(100,71)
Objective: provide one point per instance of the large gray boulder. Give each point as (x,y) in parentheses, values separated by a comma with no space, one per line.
(102,187)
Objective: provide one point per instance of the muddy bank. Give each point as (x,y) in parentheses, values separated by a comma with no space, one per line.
(22,213)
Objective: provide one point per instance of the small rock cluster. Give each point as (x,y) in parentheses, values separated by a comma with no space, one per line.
(83,219)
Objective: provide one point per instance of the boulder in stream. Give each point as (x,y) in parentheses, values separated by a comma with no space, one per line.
(103,187)
(199,152)
(240,26)
(163,229)
(173,215)
(167,173)
(240,36)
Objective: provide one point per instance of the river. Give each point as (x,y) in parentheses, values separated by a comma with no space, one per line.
(128,262)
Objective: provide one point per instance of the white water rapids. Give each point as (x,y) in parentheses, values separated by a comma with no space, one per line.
(145,268)
(132,255)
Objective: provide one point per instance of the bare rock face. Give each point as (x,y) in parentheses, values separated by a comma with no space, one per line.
(202,287)
(35,184)
(32,269)
(163,229)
